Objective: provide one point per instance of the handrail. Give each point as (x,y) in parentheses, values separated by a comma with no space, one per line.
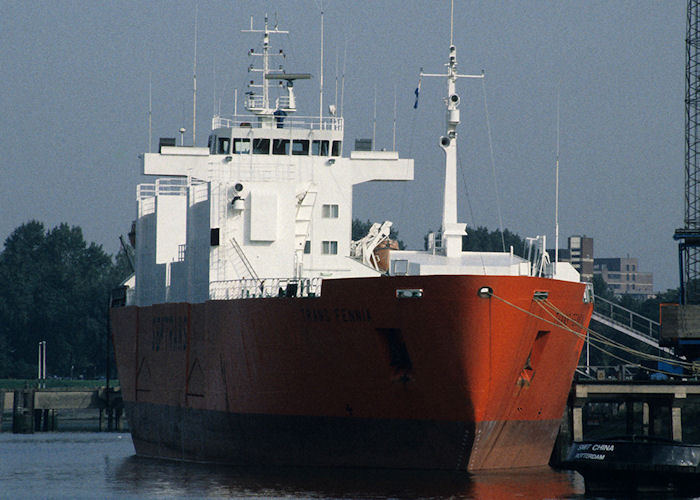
(305,122)
(627,318)
(249,288)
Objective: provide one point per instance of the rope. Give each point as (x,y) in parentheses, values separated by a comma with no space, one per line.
(469,204)
(493,165)
(594,337)
(603,339)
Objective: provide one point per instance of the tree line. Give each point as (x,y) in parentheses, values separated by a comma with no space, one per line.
(55,288)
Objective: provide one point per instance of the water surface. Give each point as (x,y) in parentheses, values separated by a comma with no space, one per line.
(103,465)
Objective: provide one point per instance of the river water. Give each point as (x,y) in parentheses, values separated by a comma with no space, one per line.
(103,465)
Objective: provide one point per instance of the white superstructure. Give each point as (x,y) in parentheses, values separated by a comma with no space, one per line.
(268,204)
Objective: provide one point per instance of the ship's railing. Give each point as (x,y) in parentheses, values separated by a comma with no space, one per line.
(264,288)
(171,186)
(306,122)
(255,171)
(613,372)
(168,186)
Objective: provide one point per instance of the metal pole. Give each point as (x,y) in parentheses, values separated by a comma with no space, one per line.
(41,365)
(108,369)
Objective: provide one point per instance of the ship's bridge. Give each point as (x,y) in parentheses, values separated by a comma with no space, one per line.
(276,134)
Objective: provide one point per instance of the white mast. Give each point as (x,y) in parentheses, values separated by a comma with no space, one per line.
(452,231)
(194,78)
(320,104)
(556,197)
(150,111)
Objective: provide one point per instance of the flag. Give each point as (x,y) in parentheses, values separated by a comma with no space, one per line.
(417,91)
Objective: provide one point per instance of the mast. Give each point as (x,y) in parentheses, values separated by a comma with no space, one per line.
(452,231)
(556,197)
(194,80)
(320,103)
(253,104)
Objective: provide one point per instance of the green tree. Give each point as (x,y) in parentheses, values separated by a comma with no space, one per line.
(601,288)
(483,240)
(56,288)
(480,239)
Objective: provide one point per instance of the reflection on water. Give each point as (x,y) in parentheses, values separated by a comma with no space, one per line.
(94,465)
(137,475)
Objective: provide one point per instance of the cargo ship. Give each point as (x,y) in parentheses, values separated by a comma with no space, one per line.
(254,331)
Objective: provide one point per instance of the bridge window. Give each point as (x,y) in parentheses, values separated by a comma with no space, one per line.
(212,144)
(280,147)
(261,146)
(300,147)
(329,211)
(224,145)
(241,146)
(307,246)
(329,248)
(337,148)
(319,148)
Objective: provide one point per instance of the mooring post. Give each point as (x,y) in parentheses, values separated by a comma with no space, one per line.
(110,413)
(629,416)
(578,421)
(118,419)
(676,424)
(23,411)
(2,406)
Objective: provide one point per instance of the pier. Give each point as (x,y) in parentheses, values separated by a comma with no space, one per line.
(656,398)
(599,409)
(36,410)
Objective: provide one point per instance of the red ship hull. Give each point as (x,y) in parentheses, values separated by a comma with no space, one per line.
(358,376)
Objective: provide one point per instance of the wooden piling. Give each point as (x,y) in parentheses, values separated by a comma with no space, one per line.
(2,406)
(23,412)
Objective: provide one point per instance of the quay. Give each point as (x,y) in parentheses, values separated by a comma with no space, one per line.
(37,409)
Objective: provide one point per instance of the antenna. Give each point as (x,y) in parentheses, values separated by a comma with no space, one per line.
(452,22)
(320,105)
(336,78)
(342,79)
(393,144)
(374,118)
(150,111)
(253,102)
(556,195)
(194,79)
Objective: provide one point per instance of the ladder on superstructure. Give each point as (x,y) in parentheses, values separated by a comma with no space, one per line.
(244,260)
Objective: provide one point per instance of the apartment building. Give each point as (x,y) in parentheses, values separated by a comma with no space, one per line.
(623,276)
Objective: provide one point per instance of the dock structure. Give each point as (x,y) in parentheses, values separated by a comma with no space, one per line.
(652,395)
(36,409)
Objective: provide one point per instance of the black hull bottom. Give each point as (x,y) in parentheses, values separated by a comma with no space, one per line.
(247,439)
(640,464)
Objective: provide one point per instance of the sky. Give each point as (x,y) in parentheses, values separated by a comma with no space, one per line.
(75,99)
